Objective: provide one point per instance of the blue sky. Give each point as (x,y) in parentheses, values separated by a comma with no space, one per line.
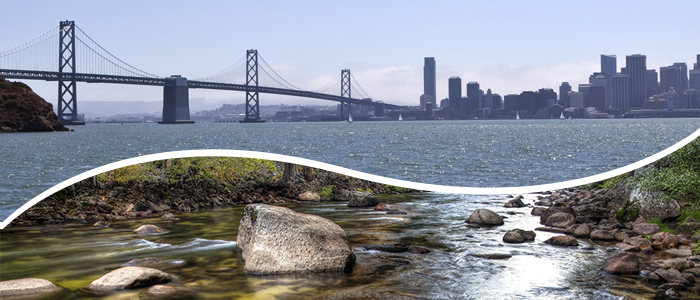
(508,46)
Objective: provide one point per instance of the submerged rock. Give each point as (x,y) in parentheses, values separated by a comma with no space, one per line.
(492,256)
(130,278)
(28,287)
(163,292)
(277,240)
(380,207)
(152,262)
(622,263)
(485,217)
(396,248)
(149,229)
(418,249)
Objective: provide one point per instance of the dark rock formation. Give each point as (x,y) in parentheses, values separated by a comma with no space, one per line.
(22,110)
(277,240)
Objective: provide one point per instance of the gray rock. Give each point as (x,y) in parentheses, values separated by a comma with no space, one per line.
(582,219)
(621,236)
(582,231)
(485,217)
(362,199)
(677,263)
(638,241)
(671,276)
(163,292)
(149,229)
(515,203)
(591,211)
(571,229)
(28,287)
(651,206)
(627,247)
(560,219)
(679,252)
(517,236)
(537,211)
(609,224)
(309,196)
(603,235)
(277,240)
(130,278)
(622,263)
(645,229)
(562,240)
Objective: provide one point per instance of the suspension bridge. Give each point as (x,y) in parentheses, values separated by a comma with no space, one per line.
(81,59)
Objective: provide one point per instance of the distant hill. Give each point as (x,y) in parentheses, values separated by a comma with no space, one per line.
(21,110)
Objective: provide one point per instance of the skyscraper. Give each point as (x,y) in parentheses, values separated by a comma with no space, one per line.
(621,92)
(429,83)
(675,76)
(564,90)
(636,69)
(652,79)
(473,95)
(694,82)
(602,80)
(455,91)
(608,65)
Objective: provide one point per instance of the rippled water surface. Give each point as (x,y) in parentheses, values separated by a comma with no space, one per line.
(485,153)
(73,256)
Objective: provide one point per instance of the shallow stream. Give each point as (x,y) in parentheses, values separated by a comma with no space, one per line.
(72,256)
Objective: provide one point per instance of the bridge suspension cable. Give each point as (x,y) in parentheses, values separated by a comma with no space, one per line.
(95,59)
(37,54)
(288,85)
(235,73)
(356,84)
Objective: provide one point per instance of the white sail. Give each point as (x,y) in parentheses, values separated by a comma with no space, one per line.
(350,118)
(400,118)
(517,116)
(562,116)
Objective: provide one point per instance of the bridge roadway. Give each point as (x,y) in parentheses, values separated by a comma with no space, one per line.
(94,78)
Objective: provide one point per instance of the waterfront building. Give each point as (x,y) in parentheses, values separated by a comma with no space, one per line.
(429,79)
(692,98)
(597,98)
(608,65)
(454,91)
(694,79)
(425,99)
(444,103)
(585,89)
(488,99)
(602,80)
(576,100)
(652,85)
(510,102)
(547,96)
(621,92)
(636,69)
(675,76)
(529,101)
(474,95)
(564,90)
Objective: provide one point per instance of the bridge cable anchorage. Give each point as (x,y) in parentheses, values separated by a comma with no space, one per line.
(126,67)
(226,73)
(36,54)
(278,75)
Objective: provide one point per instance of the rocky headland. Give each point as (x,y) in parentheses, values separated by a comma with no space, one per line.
(22,110)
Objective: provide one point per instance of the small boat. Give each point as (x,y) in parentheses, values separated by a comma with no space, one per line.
(400,118)
(349,118)
(517,116)
(562,116)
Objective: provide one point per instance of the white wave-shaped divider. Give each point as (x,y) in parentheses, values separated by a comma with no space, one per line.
(352,173)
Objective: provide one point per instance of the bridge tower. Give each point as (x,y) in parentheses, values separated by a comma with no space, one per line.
(252,103)
(345,92)
(67,95)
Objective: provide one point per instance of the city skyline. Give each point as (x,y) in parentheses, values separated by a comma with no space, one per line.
(525,50)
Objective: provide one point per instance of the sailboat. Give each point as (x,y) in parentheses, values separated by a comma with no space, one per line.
(517,116)
(349,118)
(562,116)
(400,118)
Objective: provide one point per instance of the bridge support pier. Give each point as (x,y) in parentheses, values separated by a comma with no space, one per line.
(379,110)
(176,101)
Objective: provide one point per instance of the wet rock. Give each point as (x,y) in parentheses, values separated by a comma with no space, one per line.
(672,292)
(627,247)
(101,224)
(362,199)
(149,229)
(277,240)
(677,263)
(650,206)
(671,242)
(671,276)
(485,217)
(395,212)
(603,235)
(560,219)
(622,263)
(396,248)
(28,288)
(517,236)
(380,207)
(653,277)
(551,229)
(645,229)
(657,245)
(694,271)
(169,216)
(537,211)
(582,219)
(309,196)
(515,203)
(155,263)
(679,252)
(418,249)
(609,224)
(562,240)
(492,256)
(647,251)
(638,241)
(168,292)
(689,277)
(582,231)
(621,236)
(130,278)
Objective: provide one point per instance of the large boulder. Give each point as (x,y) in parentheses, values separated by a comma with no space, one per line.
(645,229)
(560,219)
(517,202)
(517,236)
(309,196)
(130,278)
(278,240)
(485,217)
(362,199)
(582,231)
(651,205)
(562,240)
(622,263)
(603,235)
(28,287)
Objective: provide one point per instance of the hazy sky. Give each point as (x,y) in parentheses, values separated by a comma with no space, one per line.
(508,46)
